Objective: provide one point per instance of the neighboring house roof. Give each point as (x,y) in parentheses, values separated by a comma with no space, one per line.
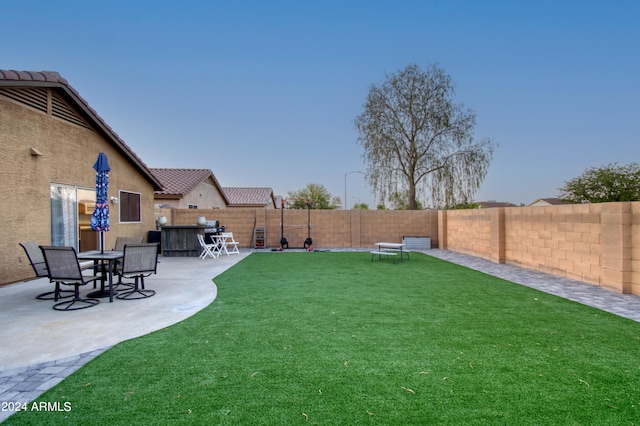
(178,182)
(10,79)
(249,196)
(547,202)
(490,204)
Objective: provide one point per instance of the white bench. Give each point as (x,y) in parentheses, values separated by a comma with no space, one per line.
(402,252)
(383,253)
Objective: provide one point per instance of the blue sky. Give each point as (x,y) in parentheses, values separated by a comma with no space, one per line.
(265,93)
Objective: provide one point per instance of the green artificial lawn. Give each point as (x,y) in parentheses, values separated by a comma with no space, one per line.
(335,339)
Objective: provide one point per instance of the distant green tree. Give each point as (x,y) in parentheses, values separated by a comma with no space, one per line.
(315,193)
(462,206)
(361,206)
(609,183)
(381,206)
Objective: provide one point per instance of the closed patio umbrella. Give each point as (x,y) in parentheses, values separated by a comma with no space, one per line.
(100,216)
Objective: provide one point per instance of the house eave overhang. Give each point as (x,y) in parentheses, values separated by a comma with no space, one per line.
(167,196)
(72,96)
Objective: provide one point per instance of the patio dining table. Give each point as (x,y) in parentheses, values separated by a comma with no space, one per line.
(220,242)
(104,261)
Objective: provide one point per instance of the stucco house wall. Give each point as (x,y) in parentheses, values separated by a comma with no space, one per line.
(205,196)
(39,149)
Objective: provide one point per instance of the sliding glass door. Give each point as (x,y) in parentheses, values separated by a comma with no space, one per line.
(64,215)
(71,209)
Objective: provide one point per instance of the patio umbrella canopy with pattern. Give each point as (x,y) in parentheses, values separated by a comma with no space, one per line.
(100,216)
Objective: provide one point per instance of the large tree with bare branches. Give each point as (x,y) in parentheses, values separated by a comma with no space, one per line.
(417,139)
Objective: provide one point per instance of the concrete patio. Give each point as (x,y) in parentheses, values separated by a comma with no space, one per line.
(32,332)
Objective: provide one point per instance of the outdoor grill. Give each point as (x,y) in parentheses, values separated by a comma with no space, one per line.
(212,227)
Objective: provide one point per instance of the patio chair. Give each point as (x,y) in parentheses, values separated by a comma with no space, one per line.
(139,261)
(208,249)
(230,245)
(36,259)
(120,243)
(64,268)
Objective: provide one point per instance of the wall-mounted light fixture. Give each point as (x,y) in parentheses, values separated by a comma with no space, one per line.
(114,200)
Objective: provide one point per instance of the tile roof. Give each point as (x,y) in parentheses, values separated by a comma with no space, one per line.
(550,201)
(181,181)
(45,76)
(249,196)
(52,79)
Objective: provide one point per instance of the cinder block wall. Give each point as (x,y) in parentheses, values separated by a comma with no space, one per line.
(469,232)
(561,240)
(594,243)
(392,225)
(635,248)
(329,228)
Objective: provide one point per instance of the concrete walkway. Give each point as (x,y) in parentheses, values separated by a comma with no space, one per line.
(40,346)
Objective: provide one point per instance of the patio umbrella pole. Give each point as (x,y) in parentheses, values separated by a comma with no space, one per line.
(100,216)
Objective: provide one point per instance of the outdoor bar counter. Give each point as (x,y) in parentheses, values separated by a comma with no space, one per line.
(181,240)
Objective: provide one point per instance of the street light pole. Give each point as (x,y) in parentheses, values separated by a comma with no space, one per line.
(345,186)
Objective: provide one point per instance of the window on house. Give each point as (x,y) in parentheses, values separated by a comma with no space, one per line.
(193,206)
(129,206)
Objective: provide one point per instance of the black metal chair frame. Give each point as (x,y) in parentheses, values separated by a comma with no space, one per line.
(36,259)
(139,261)
(117,268)
(64,268)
